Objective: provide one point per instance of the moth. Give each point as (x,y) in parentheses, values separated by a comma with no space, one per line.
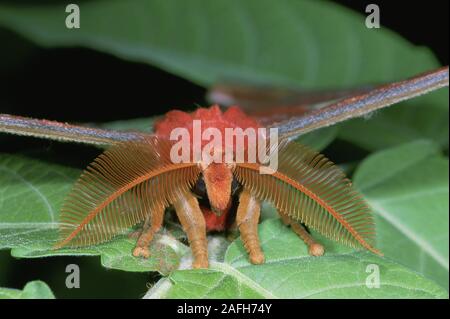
(135,180)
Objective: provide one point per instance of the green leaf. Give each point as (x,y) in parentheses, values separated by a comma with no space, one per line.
(32,290)
(140,124)
(319,139)
(31,193)
(408,188)
(289,272)
(282,43)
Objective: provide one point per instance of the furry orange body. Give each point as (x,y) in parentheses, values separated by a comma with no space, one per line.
(218,177)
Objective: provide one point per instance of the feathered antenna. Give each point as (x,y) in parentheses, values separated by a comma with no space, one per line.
(120,189)
(311,189)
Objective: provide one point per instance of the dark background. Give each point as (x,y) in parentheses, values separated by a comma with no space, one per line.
(34,82)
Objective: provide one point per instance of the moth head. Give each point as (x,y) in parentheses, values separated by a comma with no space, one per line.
(218,178)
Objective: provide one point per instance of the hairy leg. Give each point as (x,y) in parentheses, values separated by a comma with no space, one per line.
(247,219)
(193,223)
(314,248)
(151,226)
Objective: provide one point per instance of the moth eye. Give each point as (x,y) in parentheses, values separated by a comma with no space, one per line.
(235,187)
(200,188)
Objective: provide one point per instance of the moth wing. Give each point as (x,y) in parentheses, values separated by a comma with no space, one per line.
(64,132)
(269,105)
(361,103)
(313,110)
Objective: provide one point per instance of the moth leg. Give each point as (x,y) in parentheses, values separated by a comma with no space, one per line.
(135,234)
(151,226)
(314,248)
(193,223)
(247,218)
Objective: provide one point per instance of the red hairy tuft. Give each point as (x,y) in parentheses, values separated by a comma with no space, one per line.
(211,117)
(214,222)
